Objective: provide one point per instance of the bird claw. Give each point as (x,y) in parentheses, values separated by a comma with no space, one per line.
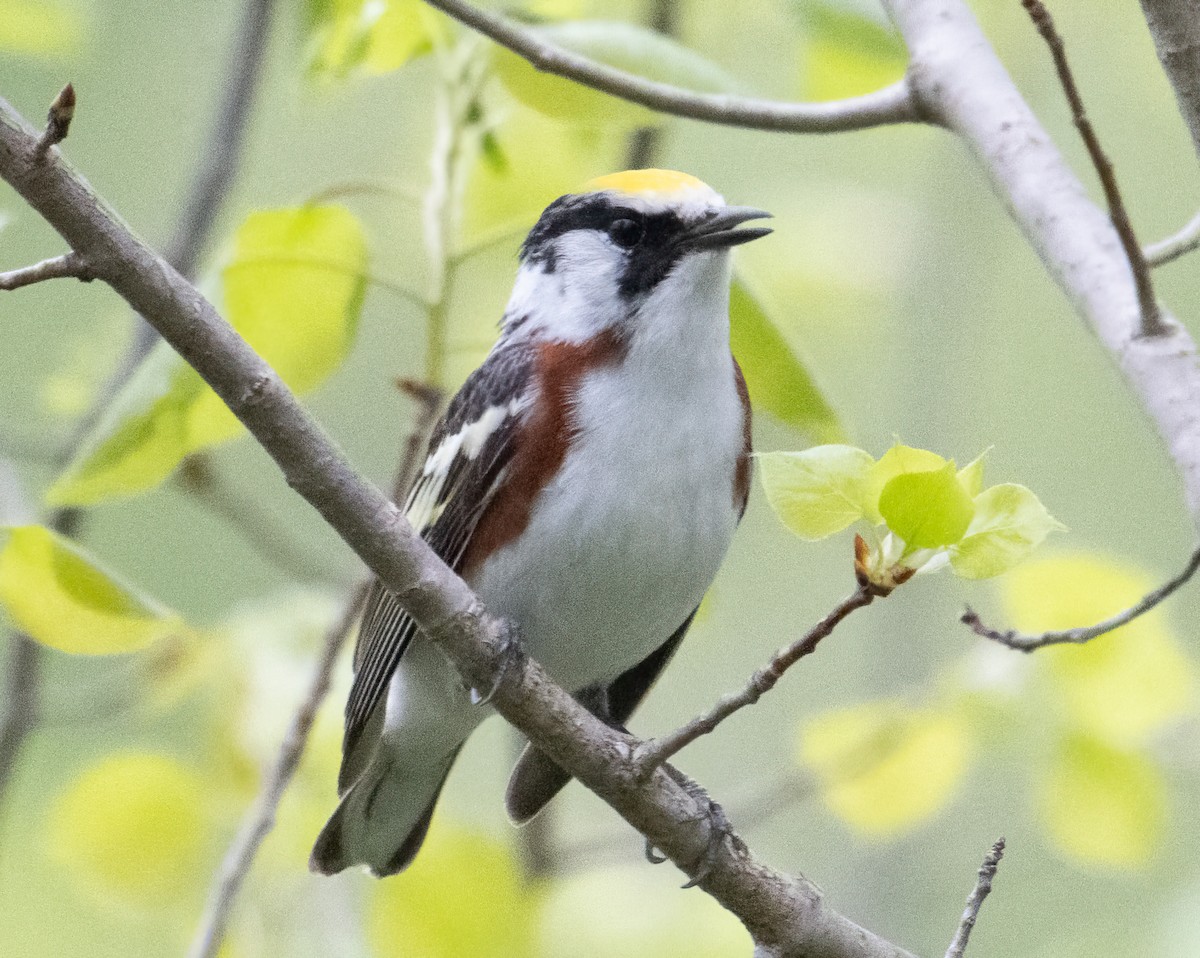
(512,657)
(719,826)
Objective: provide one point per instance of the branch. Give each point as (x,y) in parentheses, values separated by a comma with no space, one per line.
(784,914)
(67,266)
(892,104)
(983,888)
(1029,643)
(260,818)
(960,81)
(1175,26)
(1173,247)
(1151,324)
(655,752)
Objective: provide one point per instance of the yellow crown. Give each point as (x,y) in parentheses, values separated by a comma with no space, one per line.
(651,183)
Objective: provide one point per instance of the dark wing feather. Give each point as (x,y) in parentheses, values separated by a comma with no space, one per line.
(462,471)
(537,778)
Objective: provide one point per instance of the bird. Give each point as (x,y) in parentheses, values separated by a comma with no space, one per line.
(586,481)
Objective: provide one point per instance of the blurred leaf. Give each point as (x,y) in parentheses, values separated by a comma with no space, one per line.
(775,376)
(927,510)
(137,826)
(63,598)
(1124,686)
(627,47)
(643,914)
(462,896)
(1009,523)
(1102,805)
(371,36)
(819,491)
(38,28)
(885,768)
(847,52)
(293,287)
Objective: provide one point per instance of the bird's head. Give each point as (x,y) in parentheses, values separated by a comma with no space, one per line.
(633,251)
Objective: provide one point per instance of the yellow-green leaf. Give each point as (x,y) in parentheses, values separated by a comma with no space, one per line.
(776,378)
(1102,805)
(897,461)
(371,36)
(971,475)
(655,920)
(38,28)
(819,491)
(847,52)
(625,46)
(462,896)
(293,284)
(885,768)
(136,826)
(60,596)
(1124,686)
(927,510)
(1009,523)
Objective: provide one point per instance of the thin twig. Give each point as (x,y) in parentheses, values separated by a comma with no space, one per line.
(1170,249)
(1028,643)
(655,752)
(67,266)
(983,888)
(892,104)
(58,120)
(20,702)
(1151,318)
(260,819)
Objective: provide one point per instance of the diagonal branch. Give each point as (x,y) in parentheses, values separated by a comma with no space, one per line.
(1152,324)
(1078,636)
(655,752)
(1170,249)
(786,915)
(892,104)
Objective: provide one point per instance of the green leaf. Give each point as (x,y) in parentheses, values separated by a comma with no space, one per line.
(927,510)
(38,28)
(819,491)
(367,36)
(1009,523)
(293,286)
(775,376)
(971,475)
(1103,805)
(847,52)
(137,826)
(60,596)
(885,767)
(625,46)
(463,896)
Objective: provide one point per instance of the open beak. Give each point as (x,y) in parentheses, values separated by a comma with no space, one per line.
(720,231)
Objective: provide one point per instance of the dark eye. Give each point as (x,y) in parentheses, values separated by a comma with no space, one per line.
(626,233)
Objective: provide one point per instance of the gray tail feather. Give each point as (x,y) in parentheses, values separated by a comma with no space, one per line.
(381,822)
(535,780)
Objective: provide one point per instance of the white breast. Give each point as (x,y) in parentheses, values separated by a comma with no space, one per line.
(623,544)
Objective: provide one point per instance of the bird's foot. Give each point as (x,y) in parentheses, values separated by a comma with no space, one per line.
(719,828)
(511,655)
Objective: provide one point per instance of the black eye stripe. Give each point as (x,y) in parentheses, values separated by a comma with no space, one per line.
(595,212)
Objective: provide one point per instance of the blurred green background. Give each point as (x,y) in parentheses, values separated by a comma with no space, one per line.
(921,313)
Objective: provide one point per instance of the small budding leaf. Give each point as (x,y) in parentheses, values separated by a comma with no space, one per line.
(293,287)
(819,491)
(1102,805)
(775,377)
(928,510)
(1009,523)
(885,767)
(57,594)
(971,475)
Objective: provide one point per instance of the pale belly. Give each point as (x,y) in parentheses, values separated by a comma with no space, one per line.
(600,580)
